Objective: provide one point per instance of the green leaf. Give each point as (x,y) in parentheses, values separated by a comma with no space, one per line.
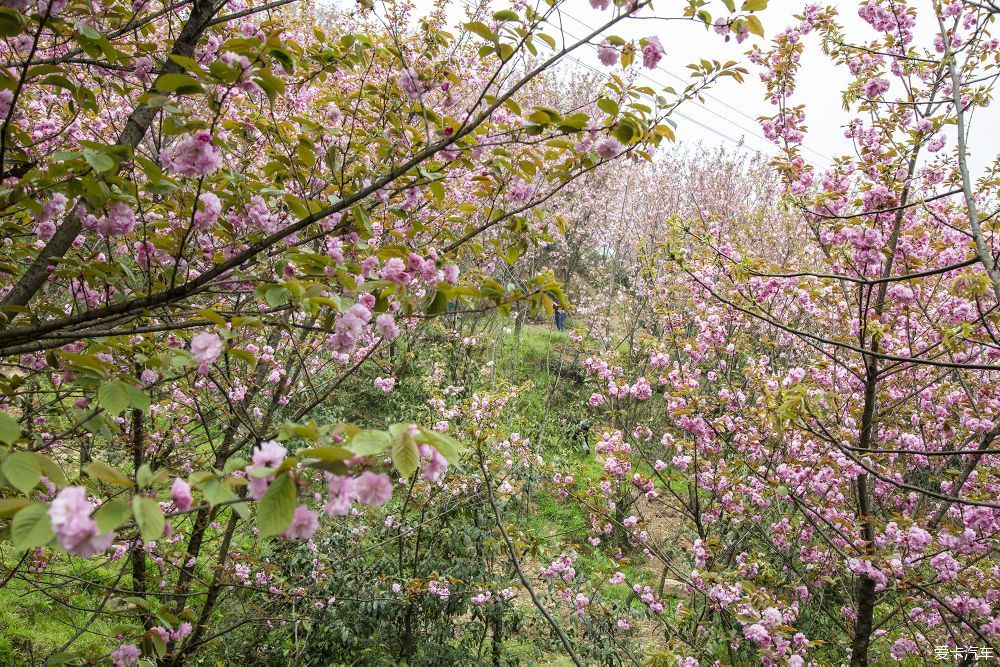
(137,398)
(11,23)
(159,477)
(270,84)
(284,58)
(216,492)
(31,527)
(366,443)
(276,296)
(447,446)
(106,473)
(22,470)
(755,26)
(574,122)
(665,131)
(9,430)
(608,106)
(112,514)
(326,453)
(182,84)
(58,81)
(159,646)
(99,161)
(437,190)
(234,464)
(754,5)
(276,507)
(506,15)
(51,470)
(482,30)
(11,506)
(148,517)
(143,475)
(625,131)
(189,64)
(260,473)
(291,430)
(88,31)
(405,454)
(439,302)
(541,117)
(397,431)
(113,397)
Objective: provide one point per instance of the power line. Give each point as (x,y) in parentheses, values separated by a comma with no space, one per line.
(703,125)
(695,102)
(678,113)
(709,128)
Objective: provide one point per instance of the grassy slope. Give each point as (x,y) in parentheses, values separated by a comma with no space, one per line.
(33,625)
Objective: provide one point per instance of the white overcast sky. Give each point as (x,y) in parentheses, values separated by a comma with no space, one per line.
(730,109)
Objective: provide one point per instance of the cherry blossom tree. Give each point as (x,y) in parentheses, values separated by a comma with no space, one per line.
(216,214)
(827,359)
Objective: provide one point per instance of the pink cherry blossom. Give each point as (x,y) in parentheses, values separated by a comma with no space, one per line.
(652,52)
(193,156)
(451,273)
(434,465)
(607,54)
(876,87)
(6,99)
(395,271)
(341,494)
(757,633)
(182,631)
(304,524)
(267,455)
(373,488)
(126,654)
(386,325)
(120,220)
(206,348)
(410,83)
(144,67)
(385,384)
(521,191)
(608,147)
(45,230)
(211,207)
(180,494)
(76,531)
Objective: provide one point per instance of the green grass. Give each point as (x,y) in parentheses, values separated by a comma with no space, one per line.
(35,626)
(551,516)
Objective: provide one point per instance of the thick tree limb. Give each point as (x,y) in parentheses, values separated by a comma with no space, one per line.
(135,129)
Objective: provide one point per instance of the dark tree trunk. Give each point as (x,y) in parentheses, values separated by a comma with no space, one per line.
(135,129)
(138,553)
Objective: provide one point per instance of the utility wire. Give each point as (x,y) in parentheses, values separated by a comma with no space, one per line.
(740,143)
(737,142)
(710,96)
(685,116)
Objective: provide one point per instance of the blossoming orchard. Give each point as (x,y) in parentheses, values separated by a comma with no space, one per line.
(391,333)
